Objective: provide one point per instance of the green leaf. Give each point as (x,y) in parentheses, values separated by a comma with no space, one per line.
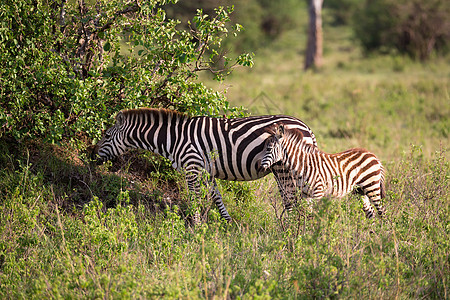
(107,46)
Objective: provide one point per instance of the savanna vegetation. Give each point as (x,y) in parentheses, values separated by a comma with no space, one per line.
(70,229)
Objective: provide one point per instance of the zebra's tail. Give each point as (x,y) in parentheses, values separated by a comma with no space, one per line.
(382,184)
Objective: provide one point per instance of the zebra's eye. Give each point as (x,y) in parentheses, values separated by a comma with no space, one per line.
(108,134)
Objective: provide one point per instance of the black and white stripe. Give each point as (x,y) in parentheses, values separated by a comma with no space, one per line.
(320,174)
(229,149)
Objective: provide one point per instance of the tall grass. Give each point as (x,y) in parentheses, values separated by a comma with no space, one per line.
(48,250)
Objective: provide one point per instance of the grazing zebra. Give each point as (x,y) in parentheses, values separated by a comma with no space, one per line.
(320,174)
(229,149)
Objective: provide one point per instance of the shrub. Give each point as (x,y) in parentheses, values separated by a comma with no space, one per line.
(67,67)
(416,28)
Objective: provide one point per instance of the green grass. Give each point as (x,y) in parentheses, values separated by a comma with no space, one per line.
(72,230)
(132,249)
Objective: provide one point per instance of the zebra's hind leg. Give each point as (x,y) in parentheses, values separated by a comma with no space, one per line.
(376,201)
(373,193)
(367,207)
(217,198)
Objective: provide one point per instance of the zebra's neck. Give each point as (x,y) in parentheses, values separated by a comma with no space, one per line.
(307,161)
(298,154)
(157,130)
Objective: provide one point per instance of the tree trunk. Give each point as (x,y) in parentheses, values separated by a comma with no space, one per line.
(313,56)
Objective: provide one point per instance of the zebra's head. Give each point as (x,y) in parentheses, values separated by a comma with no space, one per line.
(284,145)
(112,144)
(273,150)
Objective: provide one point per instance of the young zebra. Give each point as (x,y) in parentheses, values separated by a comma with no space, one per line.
(320,174)
(229,149)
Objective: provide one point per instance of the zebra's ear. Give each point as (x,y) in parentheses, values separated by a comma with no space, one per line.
(279,131)
(120,119)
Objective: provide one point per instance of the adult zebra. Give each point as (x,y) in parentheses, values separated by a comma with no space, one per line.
(320,174)
(229,149)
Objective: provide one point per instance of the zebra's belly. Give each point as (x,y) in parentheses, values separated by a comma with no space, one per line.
(240,177)
(338,192)
(319,190)
(336,186)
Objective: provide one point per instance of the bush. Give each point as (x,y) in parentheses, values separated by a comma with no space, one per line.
(67,67)
(416,28)
(263,20)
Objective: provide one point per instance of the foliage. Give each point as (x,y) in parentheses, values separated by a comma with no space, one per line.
(268,21)
(416,28)
(67,66)
(128,250)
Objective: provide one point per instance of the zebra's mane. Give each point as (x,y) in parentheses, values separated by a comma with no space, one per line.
(148,110)
(297,136)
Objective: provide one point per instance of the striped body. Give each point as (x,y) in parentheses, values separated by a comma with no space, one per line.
(320,174)
(229,149)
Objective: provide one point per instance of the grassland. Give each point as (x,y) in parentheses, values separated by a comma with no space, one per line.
(384,103)
(71,230)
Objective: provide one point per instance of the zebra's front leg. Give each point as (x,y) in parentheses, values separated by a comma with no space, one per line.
(196,178)
(287,187)
(193,185)
(217,198)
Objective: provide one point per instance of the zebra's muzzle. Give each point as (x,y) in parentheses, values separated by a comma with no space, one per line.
(99,160)
(94,156)
(263,168)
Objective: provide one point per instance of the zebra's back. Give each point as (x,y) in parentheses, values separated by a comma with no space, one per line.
(234,147)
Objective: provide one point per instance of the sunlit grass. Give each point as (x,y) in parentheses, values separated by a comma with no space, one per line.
(129,249)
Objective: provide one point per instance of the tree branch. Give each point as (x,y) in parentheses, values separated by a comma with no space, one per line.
(62,15)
